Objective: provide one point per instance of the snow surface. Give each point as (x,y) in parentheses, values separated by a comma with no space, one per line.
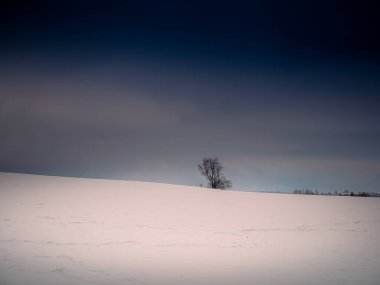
(61,231)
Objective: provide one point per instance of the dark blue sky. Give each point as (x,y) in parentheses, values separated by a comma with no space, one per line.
(285,93)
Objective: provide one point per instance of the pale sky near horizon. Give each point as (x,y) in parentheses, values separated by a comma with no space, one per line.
(287,96)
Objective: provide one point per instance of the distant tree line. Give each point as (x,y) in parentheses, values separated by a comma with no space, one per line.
(307,191)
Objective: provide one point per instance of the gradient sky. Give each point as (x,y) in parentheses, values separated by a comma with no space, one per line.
(285,93)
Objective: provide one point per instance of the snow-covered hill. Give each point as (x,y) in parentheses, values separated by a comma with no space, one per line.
(56,230)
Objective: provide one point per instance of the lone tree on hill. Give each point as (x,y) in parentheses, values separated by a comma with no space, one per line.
(213,171)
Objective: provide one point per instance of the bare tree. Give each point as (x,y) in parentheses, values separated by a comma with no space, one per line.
(213,171)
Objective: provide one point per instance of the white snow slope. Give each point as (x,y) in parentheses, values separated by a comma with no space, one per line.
(60,231)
